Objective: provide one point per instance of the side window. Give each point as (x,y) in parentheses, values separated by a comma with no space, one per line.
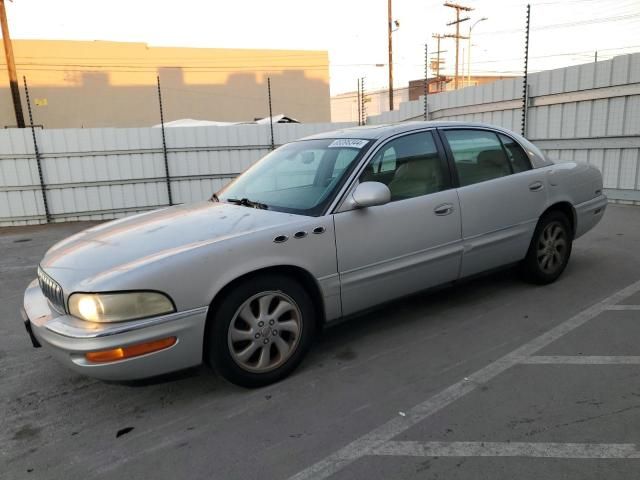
(410,166)
(519,160)
(388,160)
(383,161)
(478,155)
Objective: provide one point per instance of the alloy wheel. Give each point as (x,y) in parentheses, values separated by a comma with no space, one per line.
(551,249)
(264,332)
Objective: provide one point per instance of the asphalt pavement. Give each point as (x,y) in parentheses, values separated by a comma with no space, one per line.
(490,379)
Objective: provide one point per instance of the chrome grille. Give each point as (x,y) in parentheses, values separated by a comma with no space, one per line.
(51,290)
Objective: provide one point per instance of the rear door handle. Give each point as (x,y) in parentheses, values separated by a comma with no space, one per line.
(444,209)
(536,186)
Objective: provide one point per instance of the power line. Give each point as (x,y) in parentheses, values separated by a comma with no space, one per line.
(600,3)
(567,54)
(305,54)
(133,69)
(213,68)
(567,24)
(241,97)
(371,92)
(563,2)
(564,54)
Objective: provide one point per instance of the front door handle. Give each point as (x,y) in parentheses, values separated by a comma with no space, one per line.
(536,186)
(444,209)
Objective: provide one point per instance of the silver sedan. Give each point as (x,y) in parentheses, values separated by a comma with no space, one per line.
(318,230)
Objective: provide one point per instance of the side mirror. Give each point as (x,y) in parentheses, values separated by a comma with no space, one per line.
(370,194)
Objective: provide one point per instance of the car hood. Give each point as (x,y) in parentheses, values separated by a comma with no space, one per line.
(121,245)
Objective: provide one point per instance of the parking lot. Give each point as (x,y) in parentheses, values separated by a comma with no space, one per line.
(492,378)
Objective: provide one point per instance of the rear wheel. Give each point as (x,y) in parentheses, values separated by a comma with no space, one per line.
(550,249)
(261,330)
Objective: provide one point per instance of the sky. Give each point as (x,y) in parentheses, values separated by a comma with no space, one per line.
(563,32)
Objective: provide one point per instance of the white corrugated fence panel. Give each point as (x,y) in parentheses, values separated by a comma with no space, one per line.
(110,172)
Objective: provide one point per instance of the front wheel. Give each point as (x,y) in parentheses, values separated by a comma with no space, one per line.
(550,249)
(261,330)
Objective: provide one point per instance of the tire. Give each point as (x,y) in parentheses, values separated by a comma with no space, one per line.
(261,330)
(549,250)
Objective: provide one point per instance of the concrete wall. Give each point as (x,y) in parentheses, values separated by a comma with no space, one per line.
(588,113)
(110,84)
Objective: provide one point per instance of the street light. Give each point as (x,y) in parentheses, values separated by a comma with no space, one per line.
(469,50)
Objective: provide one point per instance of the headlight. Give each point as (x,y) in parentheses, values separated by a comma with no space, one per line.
(117,307)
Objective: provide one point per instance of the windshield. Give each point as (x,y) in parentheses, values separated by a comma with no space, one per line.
(300,177)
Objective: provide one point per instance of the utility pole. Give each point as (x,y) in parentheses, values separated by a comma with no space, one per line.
(438,62)
(390,31)
(458,8)
(11,67)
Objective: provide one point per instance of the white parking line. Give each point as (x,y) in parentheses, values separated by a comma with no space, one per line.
(581,360)
(375,439)
(623,307)
(509,449)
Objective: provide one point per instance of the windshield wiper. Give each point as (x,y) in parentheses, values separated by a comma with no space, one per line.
(245,202)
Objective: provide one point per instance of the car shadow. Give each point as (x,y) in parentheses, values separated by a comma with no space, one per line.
(193,372)
(426,306)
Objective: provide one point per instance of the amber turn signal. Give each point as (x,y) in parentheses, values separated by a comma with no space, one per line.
(130,351)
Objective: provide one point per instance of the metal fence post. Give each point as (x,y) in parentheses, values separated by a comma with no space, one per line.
(426,81)
(363,107)
(273,144)
(359,105)
(43,187)
(164,146)
(525,89)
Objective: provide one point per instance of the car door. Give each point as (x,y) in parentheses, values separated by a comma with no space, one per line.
(501,196)
(409,244)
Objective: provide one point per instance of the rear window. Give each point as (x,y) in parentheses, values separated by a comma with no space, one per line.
(519,160)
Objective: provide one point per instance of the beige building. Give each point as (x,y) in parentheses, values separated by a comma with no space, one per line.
(113,84)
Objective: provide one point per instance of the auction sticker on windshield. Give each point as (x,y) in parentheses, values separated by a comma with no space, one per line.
(348,143)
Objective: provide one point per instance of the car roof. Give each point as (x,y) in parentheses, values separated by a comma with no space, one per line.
(381,132)
(386,130)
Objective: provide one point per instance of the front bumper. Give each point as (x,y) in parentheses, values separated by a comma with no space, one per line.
(68,339)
